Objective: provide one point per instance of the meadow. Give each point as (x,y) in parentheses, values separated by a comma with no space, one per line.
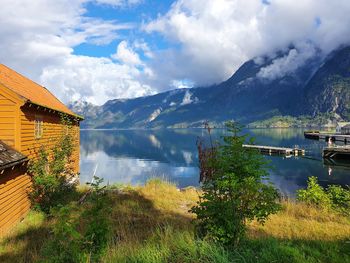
(151,223)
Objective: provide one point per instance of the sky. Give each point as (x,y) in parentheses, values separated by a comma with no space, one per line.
(97,50)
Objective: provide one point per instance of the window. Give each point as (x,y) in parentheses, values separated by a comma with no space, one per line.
(38,129)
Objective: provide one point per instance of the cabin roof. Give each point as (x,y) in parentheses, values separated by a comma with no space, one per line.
(10,157)
(347,126)
(31,91)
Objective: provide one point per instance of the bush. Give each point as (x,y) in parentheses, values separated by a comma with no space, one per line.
(233,191)
(314,194)
(81,232)
(340,198)
(334,197)
(65,245)
(50,173)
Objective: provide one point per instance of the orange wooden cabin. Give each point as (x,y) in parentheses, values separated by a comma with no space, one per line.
(30,117)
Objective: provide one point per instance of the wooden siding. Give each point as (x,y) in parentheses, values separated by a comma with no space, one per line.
(17,130)
(14,201)
(52,131)
(7,121)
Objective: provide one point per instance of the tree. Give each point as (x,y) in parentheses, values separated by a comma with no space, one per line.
(235,188)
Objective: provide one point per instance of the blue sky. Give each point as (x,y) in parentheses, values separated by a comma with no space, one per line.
(98,50)
(135,14)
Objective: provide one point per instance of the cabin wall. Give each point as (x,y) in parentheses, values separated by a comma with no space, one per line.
(52,131)
(14,202)
(8,111)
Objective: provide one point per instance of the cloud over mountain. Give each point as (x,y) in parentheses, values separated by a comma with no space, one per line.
(194,42)
(216,37)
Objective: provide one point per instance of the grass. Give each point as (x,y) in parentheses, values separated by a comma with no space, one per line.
(152,224)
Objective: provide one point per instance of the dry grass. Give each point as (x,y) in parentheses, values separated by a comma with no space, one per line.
(303,222)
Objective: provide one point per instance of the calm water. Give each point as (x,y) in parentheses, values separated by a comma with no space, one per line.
(134,156)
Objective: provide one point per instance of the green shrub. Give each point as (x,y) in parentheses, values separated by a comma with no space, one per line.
(340,199)
(314,194)
(97,222)
(334,197)
(50,173)
(65,244)
(233,191)
(81,232)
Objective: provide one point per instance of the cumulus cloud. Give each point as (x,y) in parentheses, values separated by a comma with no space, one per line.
(94,79)
(126,54)
(214,38)
(38,40)
(208,41)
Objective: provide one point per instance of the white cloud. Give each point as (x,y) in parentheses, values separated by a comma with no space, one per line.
(209,41)
(213,38)
(94,79)
(289,63)
(118,3)
(126,54)
(38,37)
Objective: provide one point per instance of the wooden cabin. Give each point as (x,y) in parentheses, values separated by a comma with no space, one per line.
(30,118)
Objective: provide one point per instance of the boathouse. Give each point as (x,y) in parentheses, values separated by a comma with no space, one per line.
(30,118)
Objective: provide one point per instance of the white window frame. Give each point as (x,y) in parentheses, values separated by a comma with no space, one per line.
(38,127)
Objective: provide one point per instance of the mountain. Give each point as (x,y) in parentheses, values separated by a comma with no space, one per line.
(291,82)
(329,88)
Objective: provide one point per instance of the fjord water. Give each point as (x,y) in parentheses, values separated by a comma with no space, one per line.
(134,156)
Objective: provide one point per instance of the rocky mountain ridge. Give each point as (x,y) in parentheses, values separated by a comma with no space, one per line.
(288,83)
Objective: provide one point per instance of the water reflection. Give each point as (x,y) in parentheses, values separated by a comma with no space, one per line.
(134,156)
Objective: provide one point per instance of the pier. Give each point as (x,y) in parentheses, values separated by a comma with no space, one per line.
(271,150)
(334,152)
(326,136)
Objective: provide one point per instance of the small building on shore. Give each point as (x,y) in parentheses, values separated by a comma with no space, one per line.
(30,118)
(340,125)
(345,130)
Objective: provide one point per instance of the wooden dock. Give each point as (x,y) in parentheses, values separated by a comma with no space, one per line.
(327,136)
(271,150)
(336,152)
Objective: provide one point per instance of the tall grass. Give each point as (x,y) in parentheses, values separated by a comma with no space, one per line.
(152,224)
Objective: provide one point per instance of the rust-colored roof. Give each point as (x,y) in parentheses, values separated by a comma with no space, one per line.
(29,90)
(10,157)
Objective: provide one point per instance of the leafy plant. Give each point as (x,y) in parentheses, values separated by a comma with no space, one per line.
(81,231)
(65,245)
(97,221)
(314,194)
(334,197)
(340,198)
(233,189)
(51,171)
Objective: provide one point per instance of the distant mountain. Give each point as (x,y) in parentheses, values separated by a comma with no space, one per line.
(329,88)
(283,84)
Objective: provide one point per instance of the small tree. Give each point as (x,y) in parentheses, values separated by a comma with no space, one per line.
(233,189)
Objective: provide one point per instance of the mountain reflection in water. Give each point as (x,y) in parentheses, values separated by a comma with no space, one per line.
(134,156)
